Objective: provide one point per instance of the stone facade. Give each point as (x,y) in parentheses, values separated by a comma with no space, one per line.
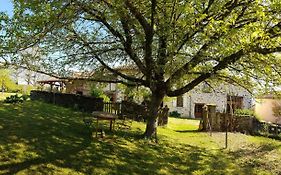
(83,87)
(218,97)
(78,86)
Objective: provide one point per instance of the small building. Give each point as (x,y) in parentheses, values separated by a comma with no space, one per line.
(77,86)
(265,107)
(225,97)
(52,85)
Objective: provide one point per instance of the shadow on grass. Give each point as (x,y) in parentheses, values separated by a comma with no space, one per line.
(185,118)
(41,138)
(259,157)
(187,131)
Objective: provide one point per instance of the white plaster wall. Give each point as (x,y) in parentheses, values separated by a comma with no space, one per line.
(263,108)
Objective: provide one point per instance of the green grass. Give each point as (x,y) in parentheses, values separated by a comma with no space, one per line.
(38,138)
(3,96)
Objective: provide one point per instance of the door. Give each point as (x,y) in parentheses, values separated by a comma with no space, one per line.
(198,110)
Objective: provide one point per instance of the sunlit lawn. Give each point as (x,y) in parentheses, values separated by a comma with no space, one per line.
(39,138)
(4,95)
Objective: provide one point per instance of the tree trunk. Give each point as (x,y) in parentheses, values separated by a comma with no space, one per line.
(153,108)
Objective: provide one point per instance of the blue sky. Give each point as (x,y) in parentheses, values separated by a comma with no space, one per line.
(6,6)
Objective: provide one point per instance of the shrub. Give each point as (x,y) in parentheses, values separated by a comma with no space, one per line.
(175,114)
(16,99)
(244,112)
(105,98)
(98,93)
(25,97)
(95,92)
(265,130)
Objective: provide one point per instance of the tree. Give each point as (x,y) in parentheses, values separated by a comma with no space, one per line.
(276,109)
(7,84)
(174,45)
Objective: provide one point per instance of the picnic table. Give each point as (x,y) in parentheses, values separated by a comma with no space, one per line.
(100,115)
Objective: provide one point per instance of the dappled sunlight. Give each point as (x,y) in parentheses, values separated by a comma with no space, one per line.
(39,138)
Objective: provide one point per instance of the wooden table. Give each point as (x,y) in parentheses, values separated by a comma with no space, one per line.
(100,115)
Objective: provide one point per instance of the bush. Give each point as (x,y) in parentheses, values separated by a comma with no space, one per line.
(95,92)
(16,99)
(25,97)
(175,114)
(98,93)
(244,112)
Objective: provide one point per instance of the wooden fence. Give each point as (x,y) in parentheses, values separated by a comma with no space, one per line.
(89,104)
(239,123)
(114,108)
(135,111)
(270,128)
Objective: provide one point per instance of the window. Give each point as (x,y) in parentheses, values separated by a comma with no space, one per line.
(233,103)
(198,110)
(179,101)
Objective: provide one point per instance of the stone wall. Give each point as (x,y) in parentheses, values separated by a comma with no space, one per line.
(74,86)
(218,98)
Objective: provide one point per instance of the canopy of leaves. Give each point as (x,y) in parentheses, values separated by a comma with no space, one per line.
(6,82)
(174,45)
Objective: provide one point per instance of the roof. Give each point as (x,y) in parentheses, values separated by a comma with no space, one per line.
(51,81)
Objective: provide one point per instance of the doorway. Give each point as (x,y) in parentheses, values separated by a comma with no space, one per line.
(198,110)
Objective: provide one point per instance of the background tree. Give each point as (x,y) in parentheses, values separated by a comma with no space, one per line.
(7,84)
(174,45)
(276,109)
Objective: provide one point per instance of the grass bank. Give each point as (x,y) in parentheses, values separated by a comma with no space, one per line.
(3,96)
(39,138)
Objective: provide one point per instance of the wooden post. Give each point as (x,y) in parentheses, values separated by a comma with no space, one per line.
(212,116)
(205,118)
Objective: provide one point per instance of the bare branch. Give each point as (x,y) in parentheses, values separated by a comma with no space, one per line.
(139,17)
(114,71)
(131,84)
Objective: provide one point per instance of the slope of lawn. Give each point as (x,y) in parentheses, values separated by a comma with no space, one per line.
(3,96)
(38,138)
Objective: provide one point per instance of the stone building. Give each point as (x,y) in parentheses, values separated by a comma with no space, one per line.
(190,104)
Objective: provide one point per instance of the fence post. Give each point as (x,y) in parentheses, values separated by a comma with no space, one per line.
(205,118)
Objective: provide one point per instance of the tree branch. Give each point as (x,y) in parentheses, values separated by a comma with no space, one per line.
(221,65)
(133,84)
(114,71)
(139,17)
(126,42)
(148,29)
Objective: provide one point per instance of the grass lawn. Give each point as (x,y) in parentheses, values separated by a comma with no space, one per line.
(38,138)
(4,95)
